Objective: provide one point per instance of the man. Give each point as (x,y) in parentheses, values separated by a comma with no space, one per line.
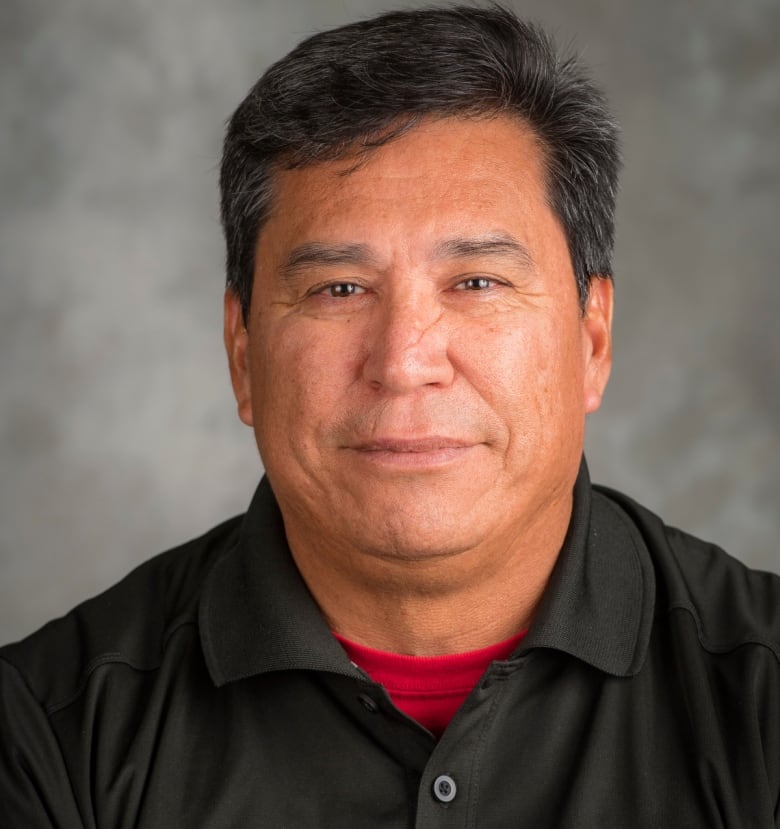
(428,617)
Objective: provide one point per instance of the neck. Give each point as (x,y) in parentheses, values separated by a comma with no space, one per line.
(435,605)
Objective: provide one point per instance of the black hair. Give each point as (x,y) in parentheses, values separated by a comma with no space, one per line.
(348,90)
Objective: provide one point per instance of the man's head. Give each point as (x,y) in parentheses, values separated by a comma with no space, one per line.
(419,351)
(346,91)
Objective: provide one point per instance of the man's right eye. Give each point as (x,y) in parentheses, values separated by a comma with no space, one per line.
(340,290)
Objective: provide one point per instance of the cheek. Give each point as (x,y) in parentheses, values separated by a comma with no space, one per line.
(530,372)
(303,369)
(504,355)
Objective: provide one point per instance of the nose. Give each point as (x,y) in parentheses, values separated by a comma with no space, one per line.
(408,346)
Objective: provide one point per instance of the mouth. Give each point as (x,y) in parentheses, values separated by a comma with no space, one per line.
(434,443)
(413,453)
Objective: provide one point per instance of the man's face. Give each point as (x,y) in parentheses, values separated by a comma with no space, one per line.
(416,365)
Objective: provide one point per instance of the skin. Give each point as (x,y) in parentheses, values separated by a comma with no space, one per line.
(417,370)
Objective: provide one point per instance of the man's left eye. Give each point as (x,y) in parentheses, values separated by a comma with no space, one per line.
(475,283)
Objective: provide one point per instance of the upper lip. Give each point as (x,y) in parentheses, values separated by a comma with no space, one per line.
(423,444)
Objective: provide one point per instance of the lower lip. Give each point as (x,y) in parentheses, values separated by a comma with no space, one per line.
(431,459)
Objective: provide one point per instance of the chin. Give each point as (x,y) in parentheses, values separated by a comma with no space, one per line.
(415,534)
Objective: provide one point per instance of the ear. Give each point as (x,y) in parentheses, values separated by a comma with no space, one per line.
(237,346)
(597,334)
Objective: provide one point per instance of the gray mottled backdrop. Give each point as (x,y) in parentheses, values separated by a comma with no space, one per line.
(117,430)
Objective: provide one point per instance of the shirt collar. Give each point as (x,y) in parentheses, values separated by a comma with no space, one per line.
(257,615)
(600,600)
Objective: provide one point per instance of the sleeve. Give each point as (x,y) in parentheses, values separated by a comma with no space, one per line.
(35,790)
(771,724)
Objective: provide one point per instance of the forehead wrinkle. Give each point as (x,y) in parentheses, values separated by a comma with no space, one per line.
(492,244)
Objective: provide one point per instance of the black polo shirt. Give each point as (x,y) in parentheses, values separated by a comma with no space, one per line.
(205,690)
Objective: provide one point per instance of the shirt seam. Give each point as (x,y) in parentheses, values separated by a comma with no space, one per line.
(476,773)
(717,649)
(54,734)
(113,658)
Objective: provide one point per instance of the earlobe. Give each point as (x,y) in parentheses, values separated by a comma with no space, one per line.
(597,331)
(237,346)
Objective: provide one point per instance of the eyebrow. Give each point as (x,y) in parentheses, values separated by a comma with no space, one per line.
(314,254)
(493,244)
(319,254)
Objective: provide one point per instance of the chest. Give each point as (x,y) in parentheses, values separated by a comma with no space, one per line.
(545,742)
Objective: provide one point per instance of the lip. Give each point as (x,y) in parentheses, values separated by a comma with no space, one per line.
(433,443)
(413,453)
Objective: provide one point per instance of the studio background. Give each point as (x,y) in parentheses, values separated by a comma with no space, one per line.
(118,434)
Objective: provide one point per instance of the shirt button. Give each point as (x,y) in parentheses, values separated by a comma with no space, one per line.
(444,788)
(368,703)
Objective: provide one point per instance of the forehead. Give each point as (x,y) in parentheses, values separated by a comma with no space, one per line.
(442,178)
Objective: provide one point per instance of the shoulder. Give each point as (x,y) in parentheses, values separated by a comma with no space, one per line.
(130,623)
(731,604)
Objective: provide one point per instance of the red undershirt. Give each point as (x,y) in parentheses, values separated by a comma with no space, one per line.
(429,689)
